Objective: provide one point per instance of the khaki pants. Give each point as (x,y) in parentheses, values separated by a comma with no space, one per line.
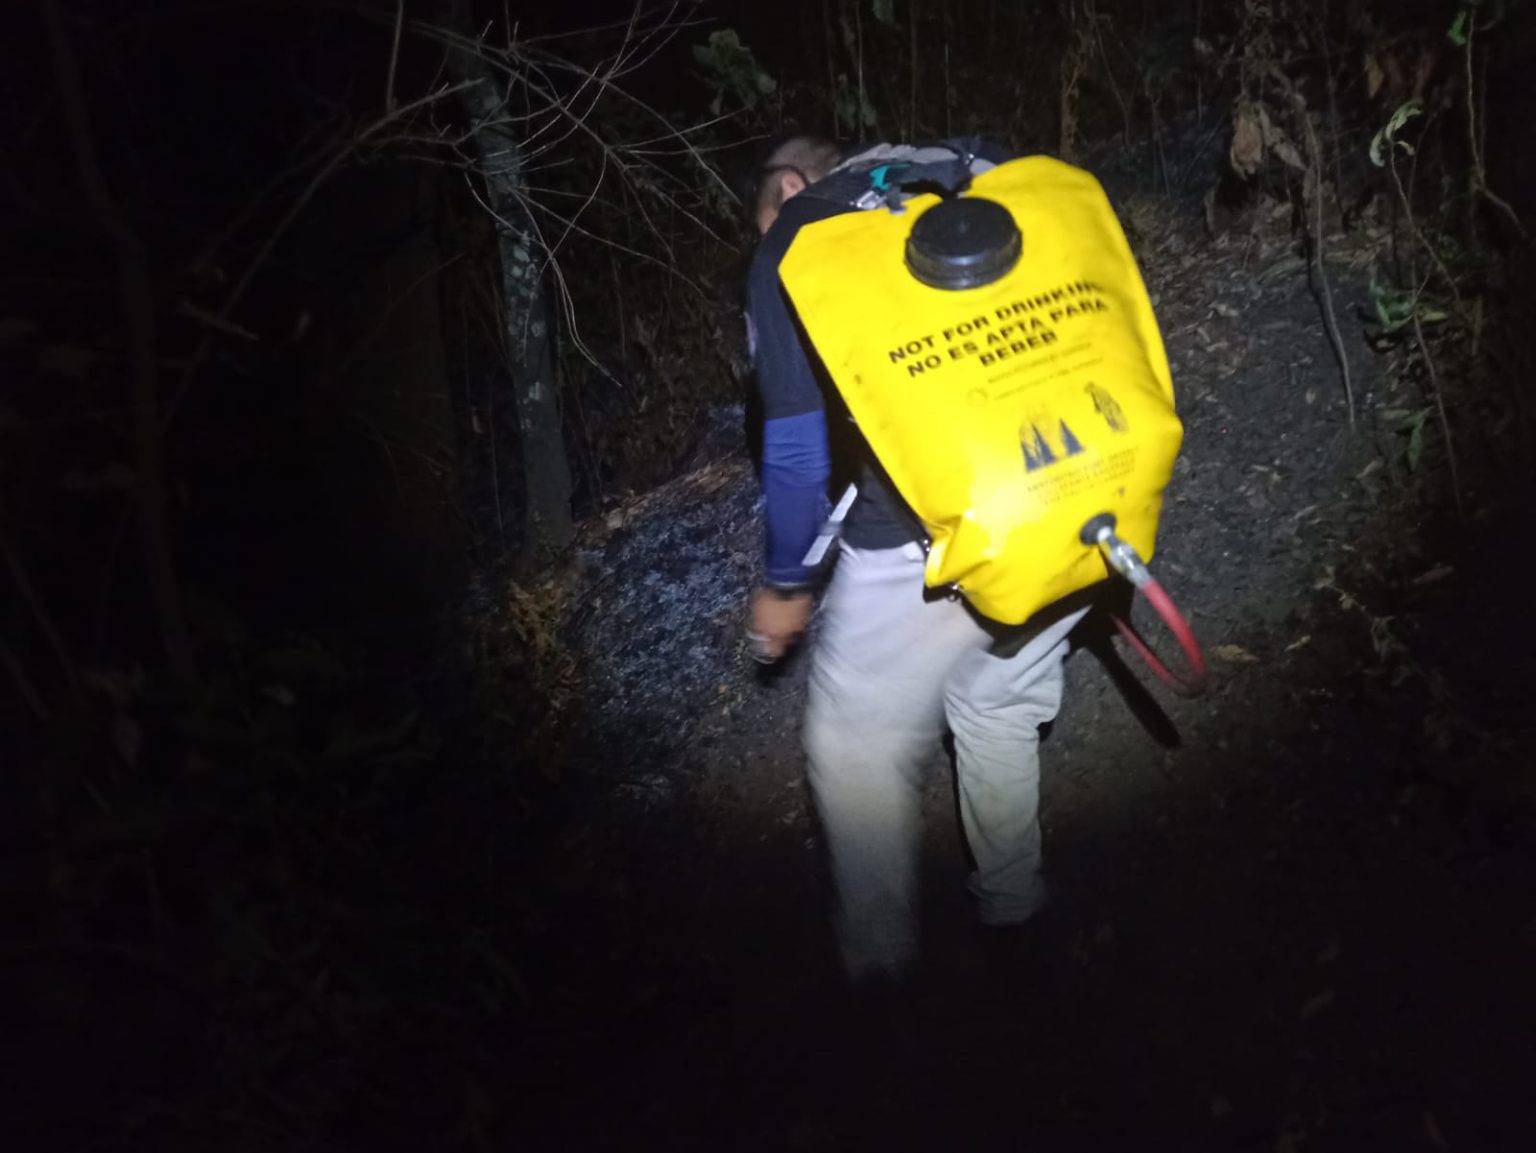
(890,669)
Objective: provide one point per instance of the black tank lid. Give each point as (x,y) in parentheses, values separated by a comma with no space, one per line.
(964,242)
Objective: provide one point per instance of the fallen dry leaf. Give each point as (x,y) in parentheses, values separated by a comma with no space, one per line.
(1435,575)
(1234,654)
(1247,151)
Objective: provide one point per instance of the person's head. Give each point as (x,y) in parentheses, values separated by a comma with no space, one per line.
(789,169)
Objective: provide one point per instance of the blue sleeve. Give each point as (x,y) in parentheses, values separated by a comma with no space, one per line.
(795,469)
(796,459)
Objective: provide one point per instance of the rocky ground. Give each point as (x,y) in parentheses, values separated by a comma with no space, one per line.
(1296,913)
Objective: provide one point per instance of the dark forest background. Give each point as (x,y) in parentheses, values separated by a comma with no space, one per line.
(324,326)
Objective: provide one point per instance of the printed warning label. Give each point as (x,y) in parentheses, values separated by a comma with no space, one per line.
(1082,476)
(1013,331)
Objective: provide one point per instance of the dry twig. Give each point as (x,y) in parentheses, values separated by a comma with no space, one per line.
(1314,175)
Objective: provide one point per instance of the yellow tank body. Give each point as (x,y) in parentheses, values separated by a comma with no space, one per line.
(1006,415)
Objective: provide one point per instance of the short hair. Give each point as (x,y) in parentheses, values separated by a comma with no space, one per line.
(811,157)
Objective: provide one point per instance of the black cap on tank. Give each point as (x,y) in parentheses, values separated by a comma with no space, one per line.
(963,242)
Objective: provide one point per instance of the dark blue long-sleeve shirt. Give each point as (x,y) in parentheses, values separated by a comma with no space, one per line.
(796,454)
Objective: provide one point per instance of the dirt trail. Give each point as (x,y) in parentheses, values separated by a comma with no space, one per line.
(1297,913)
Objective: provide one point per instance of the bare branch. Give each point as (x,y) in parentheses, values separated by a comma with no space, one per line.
(1437,394)
(536,72)
(136,297)
(394,57)
(1474,144)
(388,314)
(568,307)
(218,324)
(23,683)
(237,293)
(27,591)
(1330,317)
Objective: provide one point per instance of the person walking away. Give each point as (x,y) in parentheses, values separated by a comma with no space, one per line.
(894,663)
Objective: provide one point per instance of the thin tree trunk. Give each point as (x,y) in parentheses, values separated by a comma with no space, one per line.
(546,471)
(912,71)
(136,296)
(525,316)
(826,28)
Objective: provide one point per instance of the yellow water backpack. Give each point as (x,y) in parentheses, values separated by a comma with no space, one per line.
(998,351)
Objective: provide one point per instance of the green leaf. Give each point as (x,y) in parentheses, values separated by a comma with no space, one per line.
(885,12)
(1457,34)
(1393,306)
(1388,134)
(732,71)
(1404,113)
(845,104)
(1413,424)
(1378,158)
(1416,443)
